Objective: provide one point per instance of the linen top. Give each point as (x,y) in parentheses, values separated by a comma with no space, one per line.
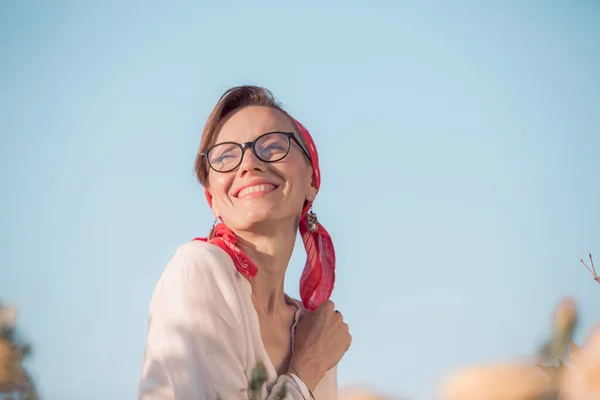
(204,338)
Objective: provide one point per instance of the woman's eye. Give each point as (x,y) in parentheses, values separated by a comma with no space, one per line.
(223,158)
(274,147)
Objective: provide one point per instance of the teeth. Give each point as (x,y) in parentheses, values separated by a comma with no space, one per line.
(257,188)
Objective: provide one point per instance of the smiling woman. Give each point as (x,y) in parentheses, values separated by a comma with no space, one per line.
(219,306)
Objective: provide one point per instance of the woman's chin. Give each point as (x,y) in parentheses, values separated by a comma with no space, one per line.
(257,220)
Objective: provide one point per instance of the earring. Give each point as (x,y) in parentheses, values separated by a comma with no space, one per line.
(311,221)
(211,234)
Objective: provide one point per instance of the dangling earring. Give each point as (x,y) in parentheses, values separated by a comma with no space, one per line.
(211,234)
(311,221)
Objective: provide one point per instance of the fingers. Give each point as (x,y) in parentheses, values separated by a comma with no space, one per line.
(347,335)
(328,312)
(325,332)
(344,329)
(338,317)
(349,342)
(342,333)
(327,306)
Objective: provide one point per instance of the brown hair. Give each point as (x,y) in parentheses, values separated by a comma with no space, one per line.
(232,100)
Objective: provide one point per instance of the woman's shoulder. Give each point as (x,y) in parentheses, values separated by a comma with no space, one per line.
(201,250)
(198,281)
(198,260)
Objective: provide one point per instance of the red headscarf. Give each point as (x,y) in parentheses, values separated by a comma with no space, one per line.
(318,277)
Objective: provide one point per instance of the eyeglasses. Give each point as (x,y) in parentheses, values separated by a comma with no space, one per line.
(269,147)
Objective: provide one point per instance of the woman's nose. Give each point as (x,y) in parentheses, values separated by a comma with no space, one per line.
(250,162)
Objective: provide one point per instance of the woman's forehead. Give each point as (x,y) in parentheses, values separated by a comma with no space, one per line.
(250,122)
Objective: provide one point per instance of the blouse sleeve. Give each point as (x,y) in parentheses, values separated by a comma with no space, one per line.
(196,344)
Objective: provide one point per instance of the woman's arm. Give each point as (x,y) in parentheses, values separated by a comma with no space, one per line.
(196,342)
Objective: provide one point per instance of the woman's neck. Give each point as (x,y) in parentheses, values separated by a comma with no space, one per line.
(271,252)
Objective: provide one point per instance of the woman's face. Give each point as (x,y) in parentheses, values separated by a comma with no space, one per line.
(260,195)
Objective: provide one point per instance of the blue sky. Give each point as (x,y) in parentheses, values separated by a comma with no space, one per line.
(459,145)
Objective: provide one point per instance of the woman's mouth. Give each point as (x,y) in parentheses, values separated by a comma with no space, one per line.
(256,190)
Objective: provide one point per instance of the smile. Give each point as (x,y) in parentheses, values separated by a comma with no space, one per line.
(262,188)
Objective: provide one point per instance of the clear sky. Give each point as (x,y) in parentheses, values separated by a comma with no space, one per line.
(460,147)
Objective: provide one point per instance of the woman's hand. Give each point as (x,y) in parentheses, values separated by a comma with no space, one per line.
(322,339)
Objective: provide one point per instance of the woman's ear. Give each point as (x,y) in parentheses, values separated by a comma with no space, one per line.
(215,210)
(311,194)
(211,203)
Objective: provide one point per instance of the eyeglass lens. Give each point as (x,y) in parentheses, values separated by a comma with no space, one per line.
(269,148)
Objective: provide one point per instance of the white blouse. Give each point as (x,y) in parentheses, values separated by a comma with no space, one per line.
(204,337)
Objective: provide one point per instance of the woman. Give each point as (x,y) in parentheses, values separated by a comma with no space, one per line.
(219,306)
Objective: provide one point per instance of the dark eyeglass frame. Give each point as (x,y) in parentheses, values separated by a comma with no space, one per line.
(252,145)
